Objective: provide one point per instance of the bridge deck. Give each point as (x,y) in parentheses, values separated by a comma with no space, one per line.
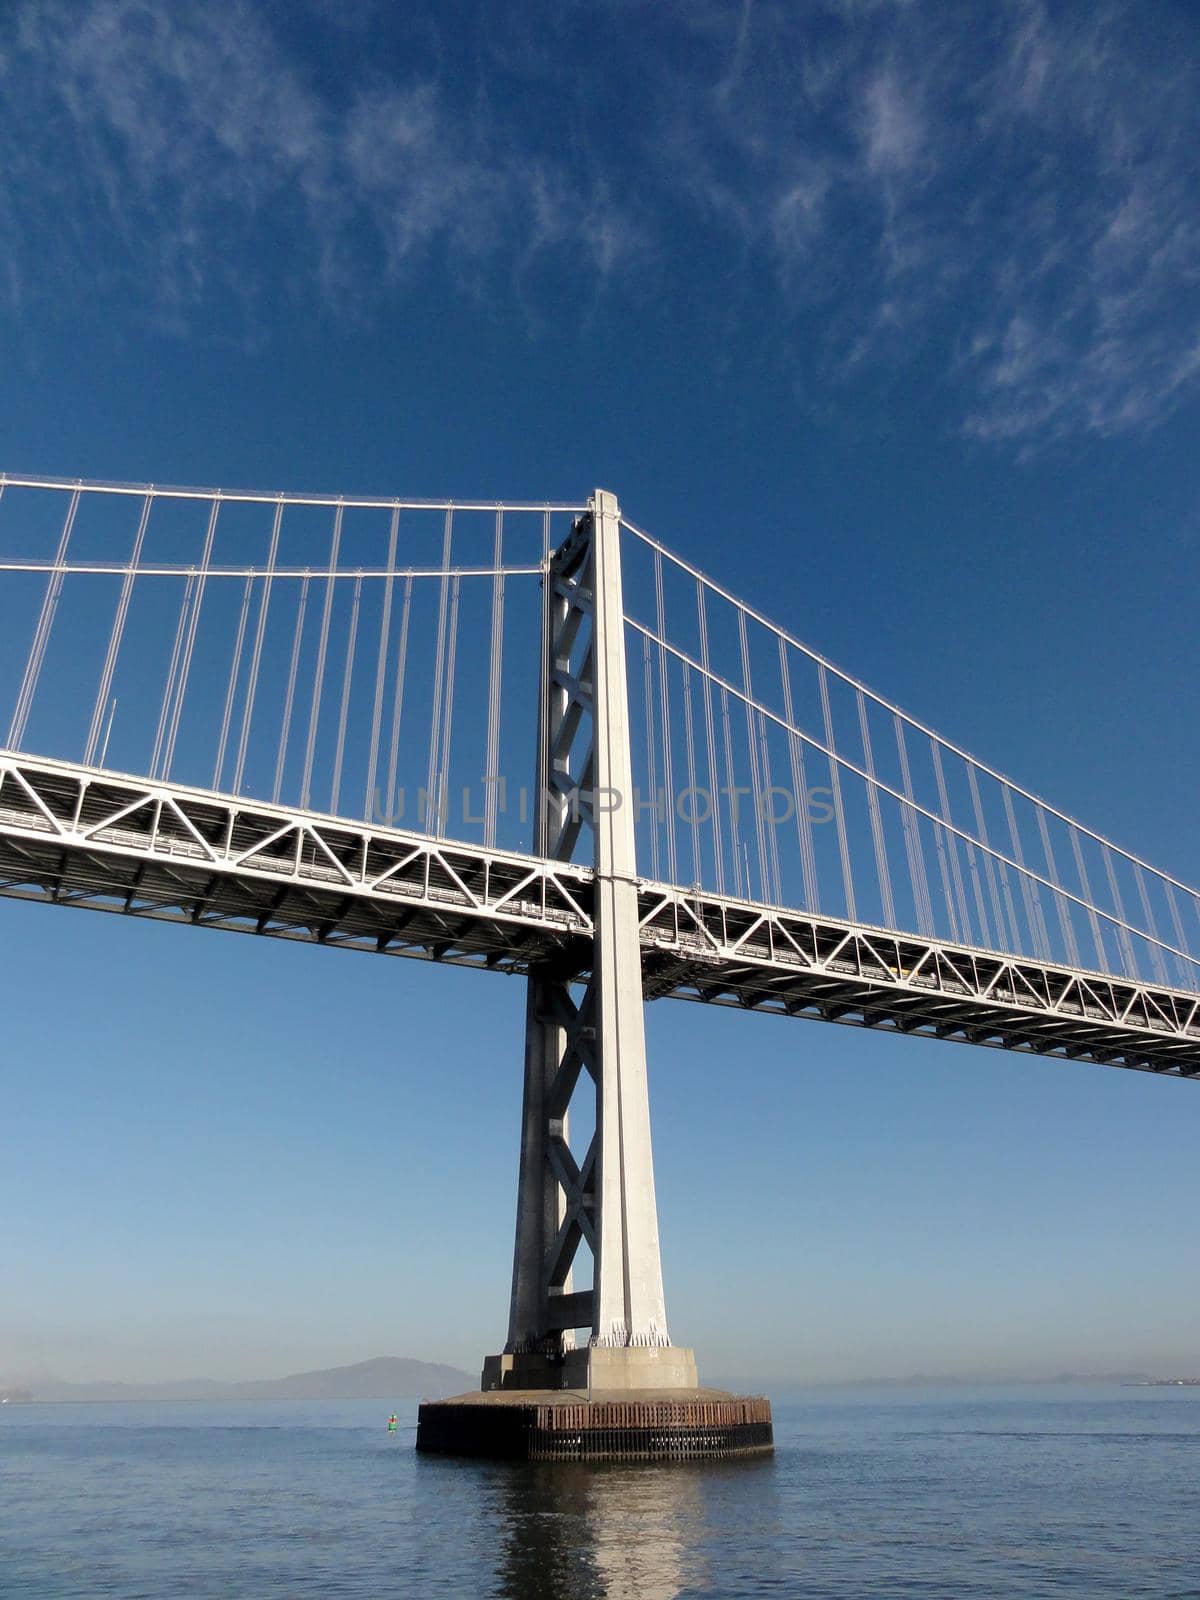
(73,835)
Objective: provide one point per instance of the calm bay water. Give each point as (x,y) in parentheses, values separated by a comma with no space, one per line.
(996,1493)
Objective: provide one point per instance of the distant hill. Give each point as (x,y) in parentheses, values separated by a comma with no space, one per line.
(384,1378)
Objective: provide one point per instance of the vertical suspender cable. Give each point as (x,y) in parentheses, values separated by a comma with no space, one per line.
(290,696)
(1176,919)
(735,842)
(492,776)
(989,867)
(960,893)
(1061,905)
(190,644)
(172,669)
(808,855)
(877,836)
(439,677)
(755,774)
(912,839)
(547,829)
(973,854)
(548,834)
(1131,966)
(1018,945)
(651,754)
(260,628)
(997,872)
(1156,955)
(335,792)
(1187,974)
(108,727)
(770,823)
(977,893)
(41,634)
(544,824)
(1085,885)
(835,783)
(371,801)
(1029,894)
(714,798)
(314,712)
(942,840)
(664,690)
(235,669)
(443,781)
(398,704)
(693,794)
(115,638)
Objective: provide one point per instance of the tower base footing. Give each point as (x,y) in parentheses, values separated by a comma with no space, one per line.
(567,1425)
(610,1368)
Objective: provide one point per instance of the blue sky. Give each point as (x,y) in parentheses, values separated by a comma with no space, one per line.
(888,316)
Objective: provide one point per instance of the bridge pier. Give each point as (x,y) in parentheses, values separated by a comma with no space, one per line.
(589,1026)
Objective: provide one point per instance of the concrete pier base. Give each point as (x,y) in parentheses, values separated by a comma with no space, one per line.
(595,1367)
(622,1425)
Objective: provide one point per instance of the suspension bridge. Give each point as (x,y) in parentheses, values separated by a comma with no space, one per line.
(530,738)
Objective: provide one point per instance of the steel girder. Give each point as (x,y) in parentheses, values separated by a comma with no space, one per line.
(72,835)
(108,842)
(728,952)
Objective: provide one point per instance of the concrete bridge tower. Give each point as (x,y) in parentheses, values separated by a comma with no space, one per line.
(625,1389)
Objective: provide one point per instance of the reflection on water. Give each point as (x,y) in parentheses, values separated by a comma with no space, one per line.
(617,1532)
(606,1532)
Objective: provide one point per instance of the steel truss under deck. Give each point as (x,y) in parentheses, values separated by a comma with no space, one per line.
(797,964)
(73,835)
(112,843)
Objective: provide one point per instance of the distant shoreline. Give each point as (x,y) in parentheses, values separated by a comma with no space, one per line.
(392,1379)
(390,1398)
(388,1378)
(1162,1383)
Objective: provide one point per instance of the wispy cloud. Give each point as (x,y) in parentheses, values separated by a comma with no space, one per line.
(1093,320)
(893,130)
(137,147)
(184,151)
(1016,188)
(1008,195)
